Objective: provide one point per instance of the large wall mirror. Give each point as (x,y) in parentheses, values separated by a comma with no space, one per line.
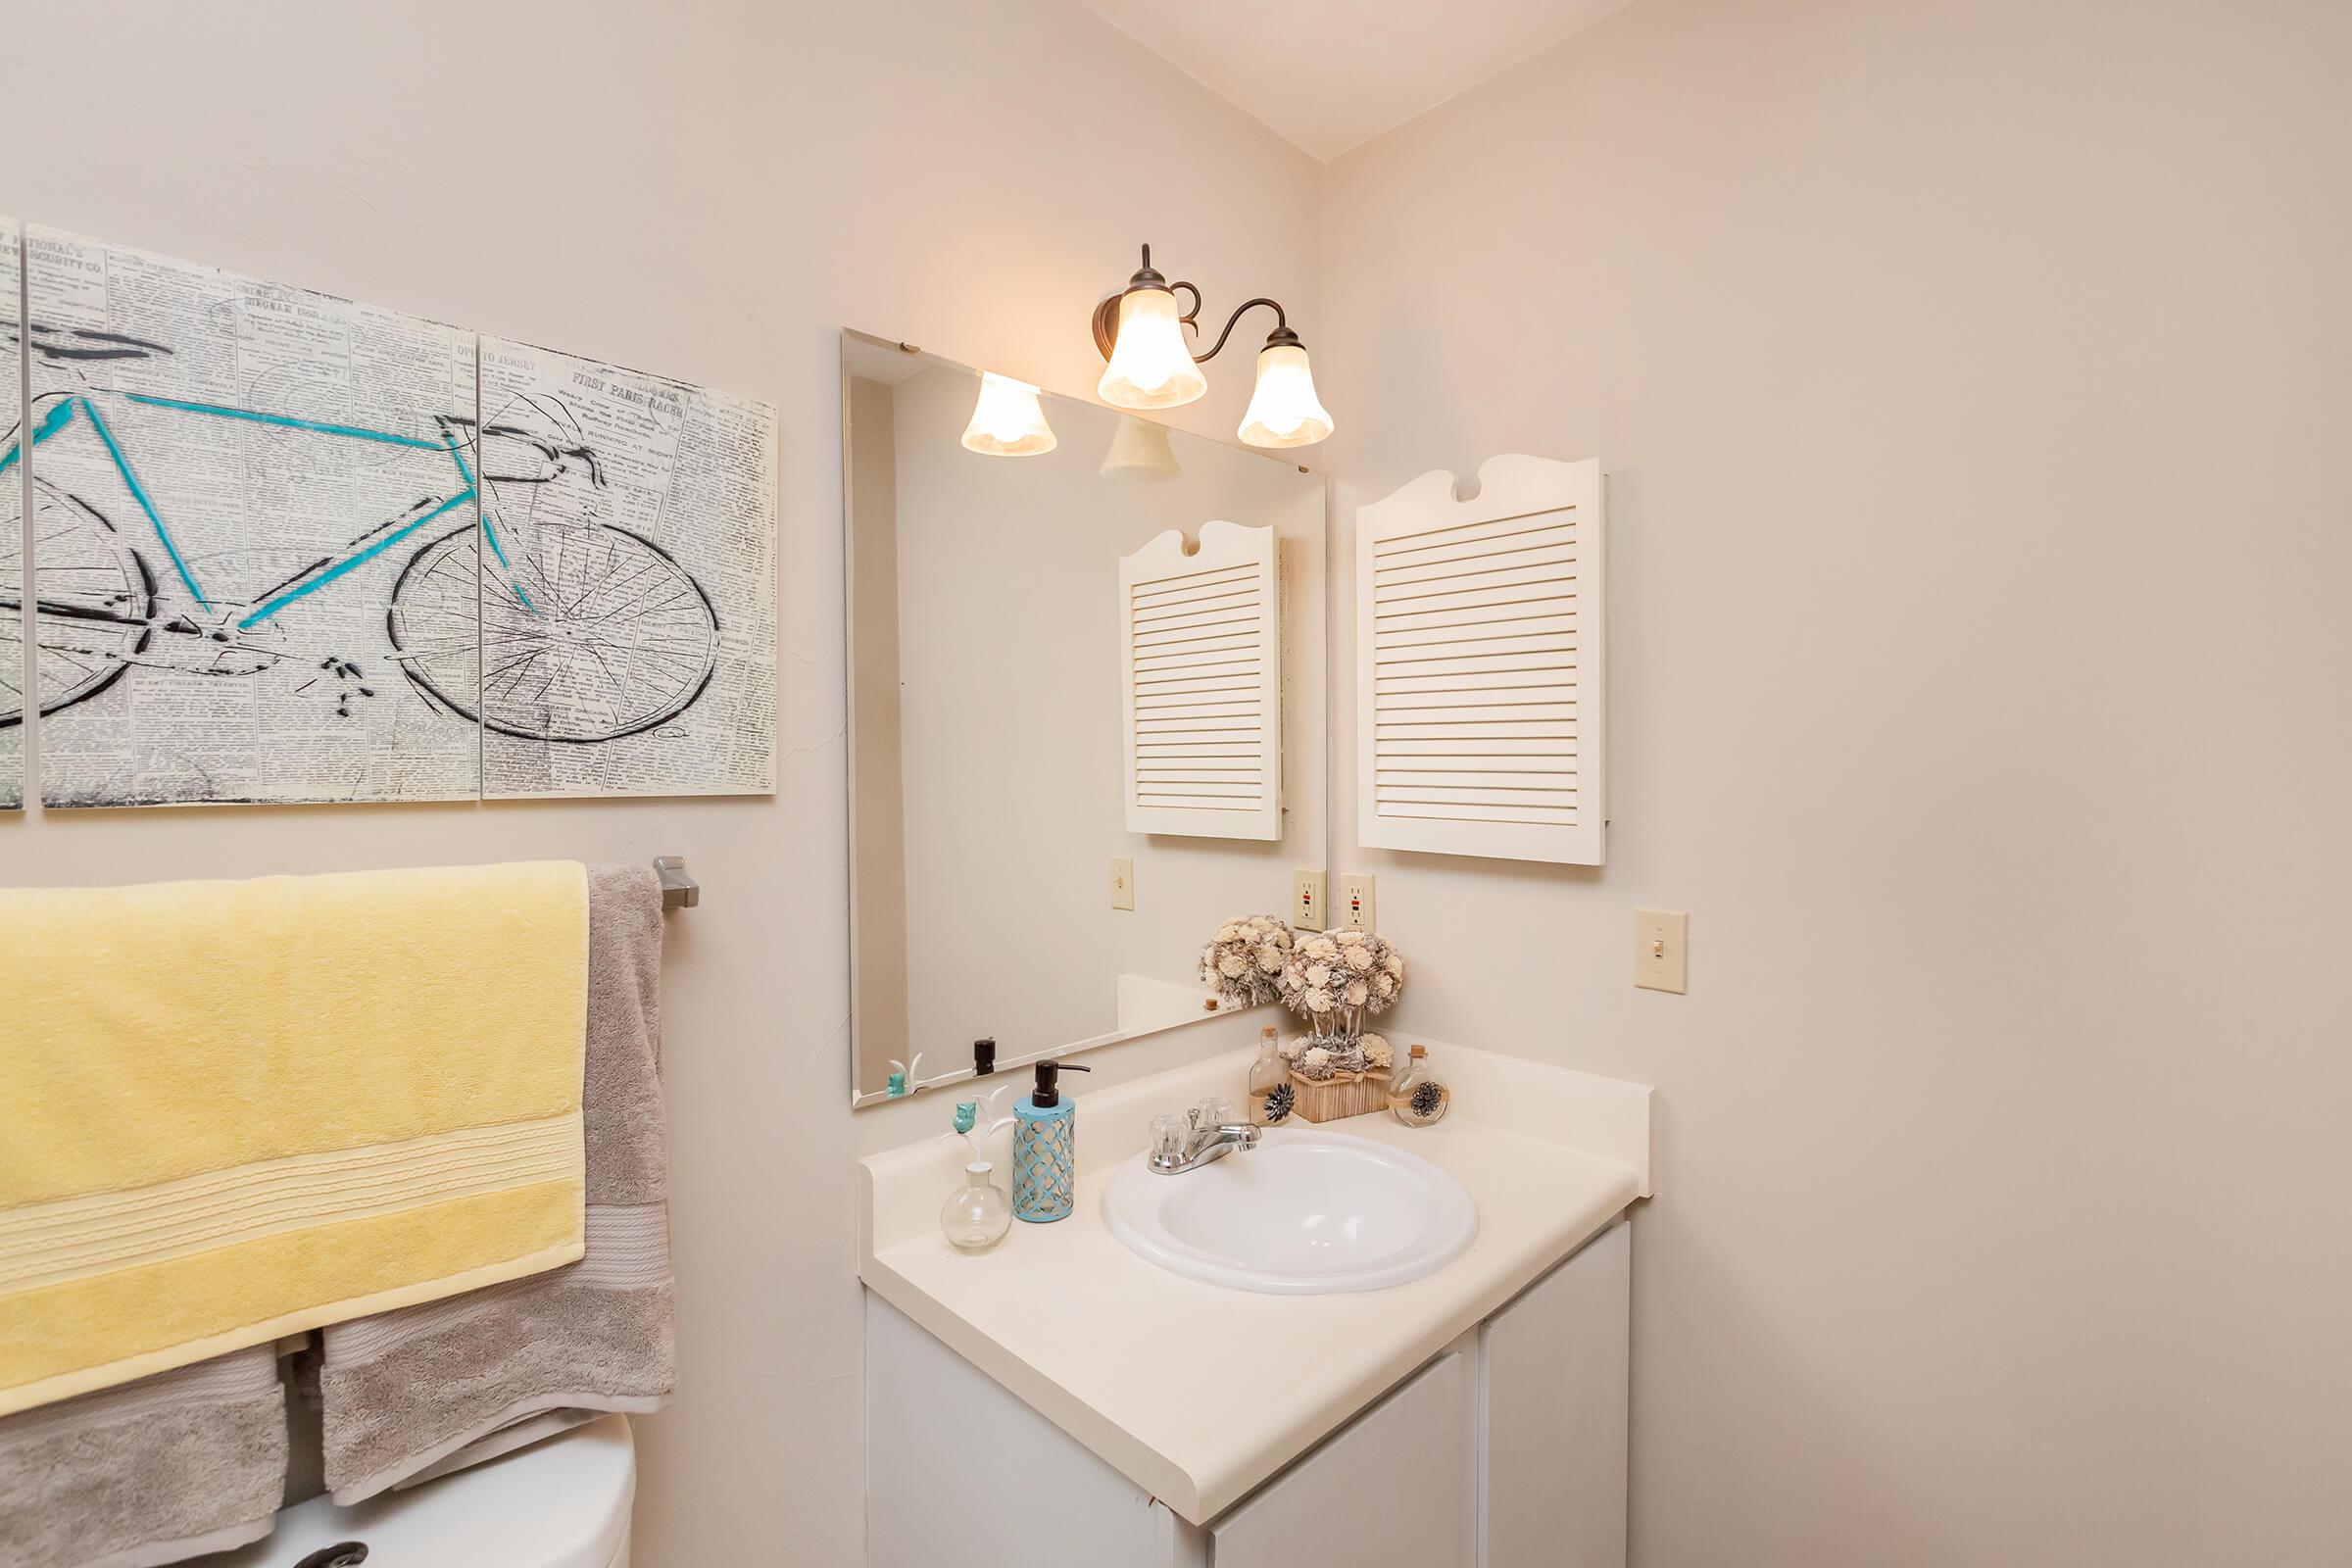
(1057,710)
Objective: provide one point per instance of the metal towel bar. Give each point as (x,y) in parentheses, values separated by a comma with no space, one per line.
(678,890)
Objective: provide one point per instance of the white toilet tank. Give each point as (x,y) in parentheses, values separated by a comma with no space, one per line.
(564,1503)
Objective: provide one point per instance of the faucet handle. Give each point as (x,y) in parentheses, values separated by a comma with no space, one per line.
(1217,1111)
(1167,1136)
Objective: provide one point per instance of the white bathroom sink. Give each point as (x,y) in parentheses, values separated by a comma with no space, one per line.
(1307,1212)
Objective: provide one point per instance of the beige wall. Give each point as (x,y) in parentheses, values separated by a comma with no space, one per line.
(1973,380)
(712,191)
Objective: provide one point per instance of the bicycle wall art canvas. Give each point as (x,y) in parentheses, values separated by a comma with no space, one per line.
(291,548)
(617,644)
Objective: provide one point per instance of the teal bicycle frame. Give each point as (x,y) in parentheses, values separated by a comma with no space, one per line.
(365,548)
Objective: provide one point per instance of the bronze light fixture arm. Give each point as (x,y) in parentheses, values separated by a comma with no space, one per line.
(1281,332)
(1107,313)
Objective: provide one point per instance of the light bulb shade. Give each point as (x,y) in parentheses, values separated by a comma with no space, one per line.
(1007,421)
(1139,450)
(1284,411)
(1150,365)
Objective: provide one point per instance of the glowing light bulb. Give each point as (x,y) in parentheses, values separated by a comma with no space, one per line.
(1284,411)
(1151,367)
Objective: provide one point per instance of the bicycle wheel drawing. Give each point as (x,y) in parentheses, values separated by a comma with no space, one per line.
(613,638)
(93,599)
(432,624)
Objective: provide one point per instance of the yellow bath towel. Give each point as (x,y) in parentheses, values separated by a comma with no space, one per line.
(235,1110)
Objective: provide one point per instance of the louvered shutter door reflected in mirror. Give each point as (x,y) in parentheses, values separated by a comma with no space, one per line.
(1203,660)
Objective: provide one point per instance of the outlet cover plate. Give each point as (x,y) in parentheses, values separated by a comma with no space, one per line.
(1309,899)
(1122,883)
(1662,950)
(1356,911)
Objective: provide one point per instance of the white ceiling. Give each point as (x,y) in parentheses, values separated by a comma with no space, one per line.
(1330,74)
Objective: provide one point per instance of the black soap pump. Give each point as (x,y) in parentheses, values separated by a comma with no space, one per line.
(1045,1148)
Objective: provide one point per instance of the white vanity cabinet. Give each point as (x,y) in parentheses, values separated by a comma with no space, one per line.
(1397,1485)
(1557,1363)
(1507,1449)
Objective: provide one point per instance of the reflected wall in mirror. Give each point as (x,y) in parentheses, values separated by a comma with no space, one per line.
(995,656)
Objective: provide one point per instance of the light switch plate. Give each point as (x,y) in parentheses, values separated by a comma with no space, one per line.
(1355,901)
(1122,883)
(1309,895)
(1662,950)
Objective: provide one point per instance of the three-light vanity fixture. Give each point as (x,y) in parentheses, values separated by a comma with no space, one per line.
(1141,332)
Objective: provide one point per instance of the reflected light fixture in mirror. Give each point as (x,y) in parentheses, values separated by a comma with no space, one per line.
(1152,366)
(1007,421)
(1139,450)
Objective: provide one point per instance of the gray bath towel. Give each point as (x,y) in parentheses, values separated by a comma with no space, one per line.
(188,1462)
(413,1393)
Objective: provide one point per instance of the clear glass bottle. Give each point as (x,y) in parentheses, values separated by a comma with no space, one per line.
(1415,1096)
(977,1215)
(1266,1074)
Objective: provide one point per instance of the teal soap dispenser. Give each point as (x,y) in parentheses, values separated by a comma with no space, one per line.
(1045,1148)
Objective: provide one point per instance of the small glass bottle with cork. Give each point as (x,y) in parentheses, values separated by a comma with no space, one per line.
(1416,1098)
(1269,1080)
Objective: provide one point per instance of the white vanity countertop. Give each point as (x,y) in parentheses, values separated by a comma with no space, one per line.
(1198,1392)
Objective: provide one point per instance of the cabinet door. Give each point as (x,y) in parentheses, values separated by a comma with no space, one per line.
(959,1472)
(1555,1366)
(1391,1491)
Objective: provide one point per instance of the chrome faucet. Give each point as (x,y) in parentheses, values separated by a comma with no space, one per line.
(1208,1131)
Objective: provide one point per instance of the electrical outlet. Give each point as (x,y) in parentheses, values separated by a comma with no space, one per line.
(1122,883)
(1355,901)
(1662,950)
(1309,890)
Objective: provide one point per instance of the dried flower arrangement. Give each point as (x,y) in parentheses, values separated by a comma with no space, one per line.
(1320,1057)
(1335,980)
(1246,960)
